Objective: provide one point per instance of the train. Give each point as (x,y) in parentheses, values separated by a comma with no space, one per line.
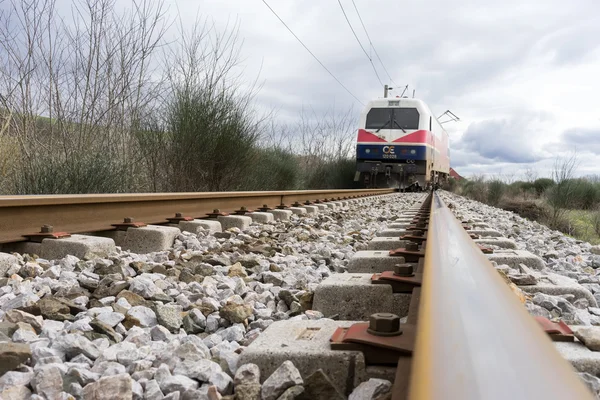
(402,145)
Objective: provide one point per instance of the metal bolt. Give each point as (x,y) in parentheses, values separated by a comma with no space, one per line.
(384,324)
(412,247)
(403,270)
(242,208)
(216,211)
(127,220)
(47,229)
(178,215)
(265,206)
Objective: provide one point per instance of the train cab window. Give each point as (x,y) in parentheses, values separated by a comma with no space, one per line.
(379,118)
(406,118)
(392,118)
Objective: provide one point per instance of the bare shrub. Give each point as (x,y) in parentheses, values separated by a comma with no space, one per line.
(76,89)
(560,196)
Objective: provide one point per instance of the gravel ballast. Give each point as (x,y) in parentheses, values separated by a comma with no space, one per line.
(172,324)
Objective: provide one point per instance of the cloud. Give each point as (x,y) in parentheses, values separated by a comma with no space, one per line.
(519,74)
(510,140)
(582,139)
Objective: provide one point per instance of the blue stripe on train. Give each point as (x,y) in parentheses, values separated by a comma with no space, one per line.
(390,152)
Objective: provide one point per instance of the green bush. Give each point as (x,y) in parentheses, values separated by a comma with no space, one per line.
(451,185)
(596,222)
(495,190)
(91,173)
(542,184)
(475,189)
(336,174)
(518,188)
(586,195)
(212,139)
(273,169)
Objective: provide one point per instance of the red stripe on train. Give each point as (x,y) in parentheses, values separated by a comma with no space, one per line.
(365,136)
(416,137)
(421,136)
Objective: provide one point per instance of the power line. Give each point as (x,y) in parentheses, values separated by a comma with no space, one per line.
(311,53)
(371,43)
(359,43)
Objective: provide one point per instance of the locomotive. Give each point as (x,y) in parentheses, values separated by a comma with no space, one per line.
(401,145)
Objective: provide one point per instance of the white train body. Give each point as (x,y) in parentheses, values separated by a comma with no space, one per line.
(401,144)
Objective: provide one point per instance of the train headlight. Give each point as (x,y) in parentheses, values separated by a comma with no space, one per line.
(367,151)
(413,151)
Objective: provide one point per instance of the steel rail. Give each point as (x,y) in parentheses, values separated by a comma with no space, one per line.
(474,339)
(22,215)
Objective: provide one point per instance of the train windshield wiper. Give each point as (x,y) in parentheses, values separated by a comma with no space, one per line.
(383,126)
(396,122)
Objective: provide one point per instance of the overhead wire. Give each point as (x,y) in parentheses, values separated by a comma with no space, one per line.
(371,43)
(359,43)
(312,54)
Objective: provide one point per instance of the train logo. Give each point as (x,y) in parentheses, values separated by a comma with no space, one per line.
(388,152)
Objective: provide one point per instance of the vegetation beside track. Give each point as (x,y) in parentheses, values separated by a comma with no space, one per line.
(107,103)
(563,202)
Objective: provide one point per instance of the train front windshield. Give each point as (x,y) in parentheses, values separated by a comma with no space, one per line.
(392,118)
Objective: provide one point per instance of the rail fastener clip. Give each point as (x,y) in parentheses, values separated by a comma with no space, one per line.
(382,340)
(178,218)
(216,213)
(242,211)
(46,232)
(127,223)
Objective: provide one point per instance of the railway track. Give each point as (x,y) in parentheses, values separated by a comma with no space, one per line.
(416,309)
(24,215)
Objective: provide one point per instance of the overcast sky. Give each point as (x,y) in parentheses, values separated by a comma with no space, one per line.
(522,75)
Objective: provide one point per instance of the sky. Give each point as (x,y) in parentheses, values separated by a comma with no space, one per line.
(522,75)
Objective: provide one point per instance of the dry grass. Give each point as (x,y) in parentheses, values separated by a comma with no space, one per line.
(533,210)
(582,225)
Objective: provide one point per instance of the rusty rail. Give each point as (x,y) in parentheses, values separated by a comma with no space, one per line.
(22,215)
(474,339)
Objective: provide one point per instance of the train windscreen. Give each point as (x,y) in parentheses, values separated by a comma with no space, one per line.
(392,118)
